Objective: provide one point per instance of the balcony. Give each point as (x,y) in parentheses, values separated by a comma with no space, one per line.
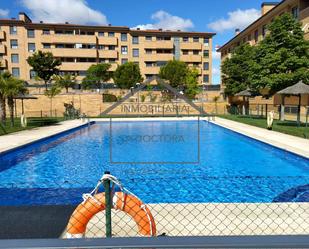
(2,35)
(76,66)
(108,54)
(151,70)
(191,58)
(107,40)
(158,57)
(2,49)
(303,14)
(88,39)
(3,63)
(159,44)
(72,52)
(191,46)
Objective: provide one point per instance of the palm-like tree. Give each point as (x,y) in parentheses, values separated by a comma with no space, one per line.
(12,88)
(65,81)
(51,93)
(4,76)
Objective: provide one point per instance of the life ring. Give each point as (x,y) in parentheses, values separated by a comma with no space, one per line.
(121,201)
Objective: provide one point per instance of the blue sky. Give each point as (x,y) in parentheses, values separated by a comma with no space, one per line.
(220,16)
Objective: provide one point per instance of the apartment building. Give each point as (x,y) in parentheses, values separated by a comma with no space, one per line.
(80,46)
(256,31)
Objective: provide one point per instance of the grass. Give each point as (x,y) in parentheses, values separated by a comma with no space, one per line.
(287,127)
(32,123)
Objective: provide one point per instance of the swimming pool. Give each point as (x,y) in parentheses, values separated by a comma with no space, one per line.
(188,162)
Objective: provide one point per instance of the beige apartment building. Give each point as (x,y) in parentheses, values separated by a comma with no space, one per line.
(80,46)
(256,31)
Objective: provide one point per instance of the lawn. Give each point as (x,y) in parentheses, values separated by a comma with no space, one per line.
(287,127)
(32,123)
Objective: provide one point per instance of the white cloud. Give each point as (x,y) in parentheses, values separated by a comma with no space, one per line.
(215,71)
(59,11)
(216,55)
(4,13)
(236,19)
(164,20)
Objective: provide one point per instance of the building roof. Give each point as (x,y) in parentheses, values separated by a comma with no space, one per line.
(297,89)
(42,25)
(241,33)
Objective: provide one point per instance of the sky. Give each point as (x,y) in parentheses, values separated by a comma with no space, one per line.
(219,16)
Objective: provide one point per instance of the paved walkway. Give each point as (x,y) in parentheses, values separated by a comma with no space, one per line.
(17,139)
(294,144)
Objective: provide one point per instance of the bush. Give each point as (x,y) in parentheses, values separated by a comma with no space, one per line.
(107,97)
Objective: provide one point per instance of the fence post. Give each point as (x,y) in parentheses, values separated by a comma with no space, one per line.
(41,114)
(108,210)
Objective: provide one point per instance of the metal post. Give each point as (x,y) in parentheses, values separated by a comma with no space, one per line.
(108,210)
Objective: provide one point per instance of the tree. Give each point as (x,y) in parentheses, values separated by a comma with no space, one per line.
(65,81)
(237,71)
(96,75)
(51,93)
(191,88)
(12,88)
(283,56)
(216,99)
(175,72)
(4,76)
(44,64)
(127,75)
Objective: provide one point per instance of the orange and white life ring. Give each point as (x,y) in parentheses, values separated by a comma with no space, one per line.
(121,201)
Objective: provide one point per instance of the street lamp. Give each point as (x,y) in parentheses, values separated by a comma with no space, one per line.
(203,94)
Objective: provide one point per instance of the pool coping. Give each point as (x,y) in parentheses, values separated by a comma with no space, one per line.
(21,139)
(292,144)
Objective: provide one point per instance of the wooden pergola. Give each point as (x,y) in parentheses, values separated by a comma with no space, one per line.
(246,94)
(298,90)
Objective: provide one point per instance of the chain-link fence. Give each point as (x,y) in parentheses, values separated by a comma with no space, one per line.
(76,210)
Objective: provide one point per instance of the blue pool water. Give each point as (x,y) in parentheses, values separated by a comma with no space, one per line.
(159,161)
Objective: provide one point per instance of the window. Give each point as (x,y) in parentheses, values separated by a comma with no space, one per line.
(32,74)
(14,58)
(206,66)
(135,52)
(264,30)
(185,52)
(46,45)
(148,51)
(13,30)
(195,52)
(196,39)
(161,63)
(295,12)
(206,41)
(148,38)
(15,72)
(14,44)
(124,50)
(124,37)
(124,61)
(185,39)
(206,53)
(135,40)
(149,64)
(30,33)
(111,47)
(101,47)
(111,34)
(100,33)
(112,60)
(46,32)
(256,36)
(31,47)
(206,78)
